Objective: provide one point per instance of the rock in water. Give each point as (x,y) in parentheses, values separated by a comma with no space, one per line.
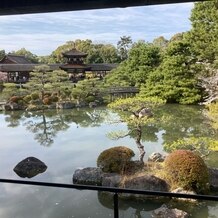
(88,176)
(156,157)
(163,212)
(30,167)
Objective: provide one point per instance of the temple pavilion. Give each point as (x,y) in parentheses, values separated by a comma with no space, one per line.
(75,64)
(18,67)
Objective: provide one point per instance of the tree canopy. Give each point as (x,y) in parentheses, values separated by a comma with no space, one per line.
(143,59)
(204,31)
(174,80)
(29,55)
(136,112)
(96,53)
(123,46)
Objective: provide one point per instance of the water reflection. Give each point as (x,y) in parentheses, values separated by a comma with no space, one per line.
(106,199)
(174,121)
(144,208)
(45,125)
(77,137)
(182,121)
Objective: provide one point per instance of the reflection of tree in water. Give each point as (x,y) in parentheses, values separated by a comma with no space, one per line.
(138,206)
(13,118)
(177,122)
(183,121)
(149,133)
(49,123)
(45,125)
(88,117)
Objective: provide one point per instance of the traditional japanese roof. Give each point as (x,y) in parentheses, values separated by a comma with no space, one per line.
(24,67)
(30,67)
(102,67)
(74,53)
(74,66)
(15,59)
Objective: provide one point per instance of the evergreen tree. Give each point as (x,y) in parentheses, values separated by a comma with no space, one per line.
(203,36)
(2,54)
(60,84)
(96,53)
(123,47)
(39,78)
(137,113)
(160,42)
(29,55)
(174,80)
(143,59)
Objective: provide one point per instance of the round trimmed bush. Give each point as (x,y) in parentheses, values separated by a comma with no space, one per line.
(185,169)
(89,99)
(15,99)
(114,160)
(34,96)
(47,100)
(27,98)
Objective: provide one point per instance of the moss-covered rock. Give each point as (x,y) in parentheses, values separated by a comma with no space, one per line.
(185,169)
(114,160)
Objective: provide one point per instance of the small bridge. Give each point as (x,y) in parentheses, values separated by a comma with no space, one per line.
(121,92)
(125,90)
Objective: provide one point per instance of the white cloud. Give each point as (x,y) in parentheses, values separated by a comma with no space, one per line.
(42,33)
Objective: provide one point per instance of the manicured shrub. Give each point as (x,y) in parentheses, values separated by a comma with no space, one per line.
(47,100)
(27,98)
(34,96)
(114,160)
(185,169)
(15,99)
(89,99)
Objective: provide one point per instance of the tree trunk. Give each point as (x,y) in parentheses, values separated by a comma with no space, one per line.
(139,144)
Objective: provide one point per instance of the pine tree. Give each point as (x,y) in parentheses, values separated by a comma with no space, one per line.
(174,80)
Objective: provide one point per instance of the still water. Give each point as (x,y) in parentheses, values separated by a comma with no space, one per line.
(71,139)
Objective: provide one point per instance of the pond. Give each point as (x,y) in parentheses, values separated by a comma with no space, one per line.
(71,139)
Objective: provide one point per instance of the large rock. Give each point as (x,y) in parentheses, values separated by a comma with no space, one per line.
(111,179)
(30,167)
(65,105)
(145,112)
(183,191)
(11,106)
(213,175)
(36,107)
(88,176)
(148,183)
(156,157)
(93,104)
(164,212)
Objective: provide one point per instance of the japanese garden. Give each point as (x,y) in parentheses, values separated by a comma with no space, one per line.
(135,115)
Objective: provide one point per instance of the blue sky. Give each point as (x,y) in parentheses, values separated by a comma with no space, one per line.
(43,33)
